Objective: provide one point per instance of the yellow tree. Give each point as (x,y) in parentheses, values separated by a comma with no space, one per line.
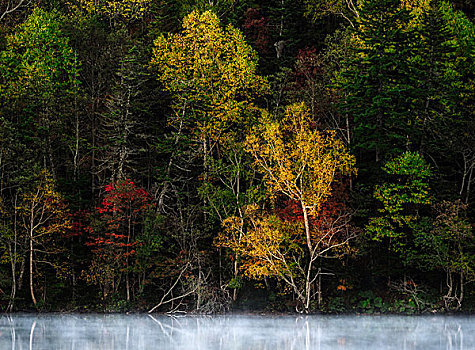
(300,162)
(266,247)
(211,73)
(44,215)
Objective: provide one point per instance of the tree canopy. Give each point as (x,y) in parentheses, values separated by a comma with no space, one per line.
(197,155)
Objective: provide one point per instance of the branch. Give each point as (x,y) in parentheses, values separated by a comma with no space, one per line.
(162,302)
(12,8)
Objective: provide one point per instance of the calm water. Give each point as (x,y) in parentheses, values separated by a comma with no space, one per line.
(101,332)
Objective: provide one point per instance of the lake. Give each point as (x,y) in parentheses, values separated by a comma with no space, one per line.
(130,332)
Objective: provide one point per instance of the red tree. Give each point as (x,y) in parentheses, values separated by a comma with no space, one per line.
(256,28)
(121,217)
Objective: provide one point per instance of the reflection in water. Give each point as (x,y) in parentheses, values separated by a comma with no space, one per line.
(130,332)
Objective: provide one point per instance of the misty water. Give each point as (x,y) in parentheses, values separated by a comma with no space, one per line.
(101,332)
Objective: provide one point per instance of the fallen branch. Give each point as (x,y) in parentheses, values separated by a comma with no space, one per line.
(163,301)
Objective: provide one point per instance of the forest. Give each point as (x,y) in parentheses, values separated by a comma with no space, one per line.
(211,156)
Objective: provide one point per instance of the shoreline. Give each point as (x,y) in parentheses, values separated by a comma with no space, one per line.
(238,313)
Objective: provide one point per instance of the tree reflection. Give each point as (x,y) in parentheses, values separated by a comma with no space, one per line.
(151,331)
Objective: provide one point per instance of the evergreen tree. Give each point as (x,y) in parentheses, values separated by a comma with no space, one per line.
(376,83)
(435,76)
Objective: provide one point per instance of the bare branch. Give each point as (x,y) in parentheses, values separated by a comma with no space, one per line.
(12,6)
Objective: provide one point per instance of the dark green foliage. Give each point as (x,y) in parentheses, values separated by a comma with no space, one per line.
(376,80)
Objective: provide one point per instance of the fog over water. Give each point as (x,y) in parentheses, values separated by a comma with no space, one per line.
(130,332)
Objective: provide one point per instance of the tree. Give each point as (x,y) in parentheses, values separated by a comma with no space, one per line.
(449,246)
(44,216)
(121,216)
(109,91)
(232,187)
(267,246)
(402,199)
(120,128)
(461,127)
(211,74)
(10,243)
(38,82)
(436,76)
(376,81)
(300,163)
(257,29)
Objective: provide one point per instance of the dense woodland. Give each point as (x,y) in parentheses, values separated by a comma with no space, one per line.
(216,155)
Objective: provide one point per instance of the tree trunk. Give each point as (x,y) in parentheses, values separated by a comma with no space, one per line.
(205,176)
(348,138)
(236,256)
(31,269)
(13,268)
(460,298)
(22,272)
(13,258)
(308,277)
(319,291)
(127,281)
(73,274)
(448,296)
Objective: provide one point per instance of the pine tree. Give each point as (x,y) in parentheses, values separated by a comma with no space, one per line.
(376,83)
(435,76)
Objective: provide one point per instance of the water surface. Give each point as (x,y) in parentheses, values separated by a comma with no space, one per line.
(131,332)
